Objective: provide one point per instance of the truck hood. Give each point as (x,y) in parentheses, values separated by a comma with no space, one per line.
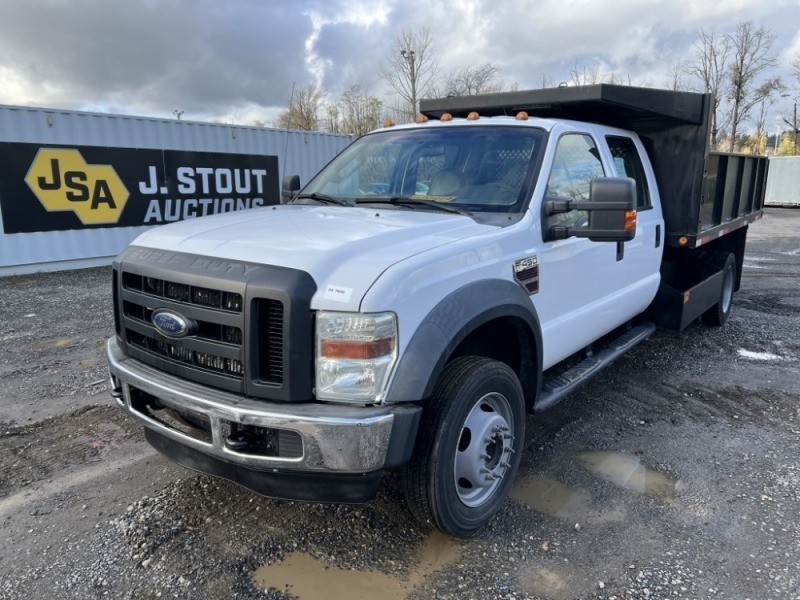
(344,249)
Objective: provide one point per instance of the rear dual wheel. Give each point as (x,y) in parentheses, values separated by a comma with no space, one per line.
(467,451)
(718,314)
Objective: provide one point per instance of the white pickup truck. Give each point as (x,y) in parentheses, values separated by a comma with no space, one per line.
(406,308)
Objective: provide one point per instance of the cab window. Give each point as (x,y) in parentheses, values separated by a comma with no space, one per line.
(629,164)
(575,164)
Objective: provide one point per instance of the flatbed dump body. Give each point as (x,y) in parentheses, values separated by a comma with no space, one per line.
(704,194)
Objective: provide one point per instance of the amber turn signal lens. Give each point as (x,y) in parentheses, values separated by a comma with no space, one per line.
(356,349)
(630,220)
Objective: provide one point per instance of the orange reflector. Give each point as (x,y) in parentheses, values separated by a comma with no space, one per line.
(446,117)
(473,116)
(630,220)
(522,116)
(356,349)
(422,119)
(683,240)
(388,123)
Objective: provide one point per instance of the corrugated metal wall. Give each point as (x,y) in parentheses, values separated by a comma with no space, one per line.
(298,152)
(783,181)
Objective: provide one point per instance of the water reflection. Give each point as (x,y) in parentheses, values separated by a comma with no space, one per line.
(629,473)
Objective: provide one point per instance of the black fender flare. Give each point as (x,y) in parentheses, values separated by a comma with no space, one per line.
(450,322)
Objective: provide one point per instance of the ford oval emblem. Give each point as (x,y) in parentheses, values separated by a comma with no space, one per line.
(171,323)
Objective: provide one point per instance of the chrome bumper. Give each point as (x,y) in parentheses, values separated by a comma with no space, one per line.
(335,438)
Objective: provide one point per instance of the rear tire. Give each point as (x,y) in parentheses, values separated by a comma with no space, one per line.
(468,446)
(718,314)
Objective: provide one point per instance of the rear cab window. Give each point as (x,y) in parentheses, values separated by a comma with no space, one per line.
(629,164)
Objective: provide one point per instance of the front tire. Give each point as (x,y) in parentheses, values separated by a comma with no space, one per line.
(468,447)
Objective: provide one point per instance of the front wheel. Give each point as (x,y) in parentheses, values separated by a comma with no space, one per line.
(467,451)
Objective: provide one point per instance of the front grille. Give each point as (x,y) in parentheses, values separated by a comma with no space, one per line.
(212,353)
(239,327)
(181,292)
(270,337)
(176,352)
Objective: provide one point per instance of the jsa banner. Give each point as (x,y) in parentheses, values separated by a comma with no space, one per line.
(54,188)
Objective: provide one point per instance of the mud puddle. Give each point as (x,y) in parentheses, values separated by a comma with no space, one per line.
(628,472)
(551,497)
(310,578)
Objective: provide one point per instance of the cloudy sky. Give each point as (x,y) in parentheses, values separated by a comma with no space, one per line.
(237,60)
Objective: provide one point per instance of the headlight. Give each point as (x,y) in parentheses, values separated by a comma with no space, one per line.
(355,355)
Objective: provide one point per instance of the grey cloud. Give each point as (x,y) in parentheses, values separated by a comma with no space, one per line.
(158,54)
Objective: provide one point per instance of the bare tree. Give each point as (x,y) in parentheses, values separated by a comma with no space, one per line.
(333,119)
(677,72)
(304,109)
(411,67)
(759,145)
(360,112)
(594,74)
(751,56)
(585,75)
(545,81)
(710,67)
(470,81)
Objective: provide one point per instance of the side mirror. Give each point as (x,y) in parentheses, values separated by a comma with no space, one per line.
(611,207)
(289,188)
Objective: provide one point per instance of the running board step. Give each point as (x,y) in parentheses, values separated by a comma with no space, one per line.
(556,389)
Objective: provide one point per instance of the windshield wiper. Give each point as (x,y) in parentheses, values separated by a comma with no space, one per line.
(324,198)
(411,202)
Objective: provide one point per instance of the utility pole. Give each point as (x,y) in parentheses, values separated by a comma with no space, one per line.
(409,56)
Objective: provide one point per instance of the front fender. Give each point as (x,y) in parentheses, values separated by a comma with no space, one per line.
(449,323)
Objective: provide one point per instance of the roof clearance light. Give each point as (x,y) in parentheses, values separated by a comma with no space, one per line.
(422,119)
(388,123)
(522,116)
(446,117)
(473,116)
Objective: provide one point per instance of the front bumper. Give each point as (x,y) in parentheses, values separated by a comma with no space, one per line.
(336,440)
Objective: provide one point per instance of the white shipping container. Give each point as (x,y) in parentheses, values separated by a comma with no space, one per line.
(783,181)
(297,152)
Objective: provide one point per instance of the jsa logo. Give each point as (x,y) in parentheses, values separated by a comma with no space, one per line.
(62,180)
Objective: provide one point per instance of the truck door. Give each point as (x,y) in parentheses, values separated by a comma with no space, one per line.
(586,288)
(643,252)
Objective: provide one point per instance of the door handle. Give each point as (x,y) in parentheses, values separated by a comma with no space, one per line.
(658,235)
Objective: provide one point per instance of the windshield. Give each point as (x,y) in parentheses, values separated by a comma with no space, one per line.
(482,168)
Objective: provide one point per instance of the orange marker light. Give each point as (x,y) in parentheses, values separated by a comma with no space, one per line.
(683,240)
(630,220)
(522,116)
(388,123)
(422,119)
(473,116)
(446,117)
(356,349)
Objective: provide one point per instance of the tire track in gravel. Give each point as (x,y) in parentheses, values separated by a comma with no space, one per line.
(38,451)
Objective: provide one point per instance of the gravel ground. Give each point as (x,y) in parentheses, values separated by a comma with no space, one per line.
(674,475)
